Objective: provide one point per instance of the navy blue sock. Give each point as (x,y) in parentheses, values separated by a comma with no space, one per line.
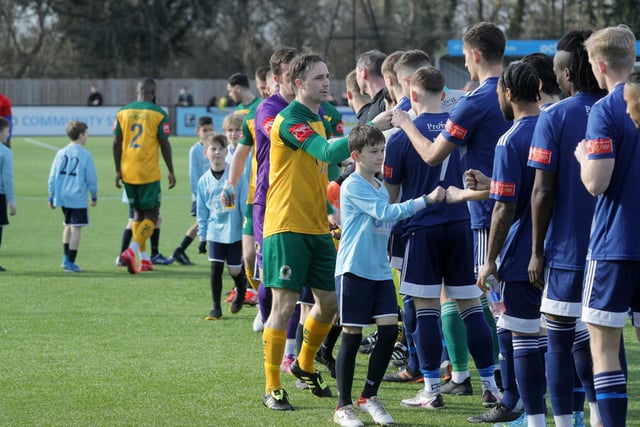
(345,367)
(578,393)
(428,343)
(65,248)
(529,373)
(583,363)
(479,337)
(409,320)
(611,391)
(559,365)
(510,394)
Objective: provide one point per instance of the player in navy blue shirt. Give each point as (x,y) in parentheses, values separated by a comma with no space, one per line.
(510,236)
(608,160)
(431,239)
(562,210)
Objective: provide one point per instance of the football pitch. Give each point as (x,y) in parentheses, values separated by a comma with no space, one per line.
(107,348)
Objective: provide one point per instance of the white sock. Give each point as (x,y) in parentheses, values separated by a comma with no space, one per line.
(537,420)
(459,377)
(594,415)
(290,346)
(432,385)
(563,420)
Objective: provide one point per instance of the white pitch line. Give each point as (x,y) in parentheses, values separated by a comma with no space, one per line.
(41,144)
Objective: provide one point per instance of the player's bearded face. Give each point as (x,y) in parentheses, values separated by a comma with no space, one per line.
(505,104)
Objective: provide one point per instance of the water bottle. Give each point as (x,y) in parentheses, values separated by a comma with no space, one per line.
(228,194)
(496,303)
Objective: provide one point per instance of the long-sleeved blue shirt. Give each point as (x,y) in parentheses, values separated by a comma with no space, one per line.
(72,175)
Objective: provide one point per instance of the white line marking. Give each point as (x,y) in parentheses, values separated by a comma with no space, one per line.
(41,144)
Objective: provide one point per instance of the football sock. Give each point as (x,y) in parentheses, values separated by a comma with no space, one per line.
(510,394)
(611,391)
(274,341)
(379,359)
(583,363)
(409,321)
(240,282)
(217,268)
(314,333)
(264,302)
(142,233)
(455,336)
(299,333)
(491,321)
(292,326)
(559,365)
(65,249)
(428,345)
(479,337)
(186,241)
(529,373)
(155,241)
(345,367)
(127,234)
(331,339)
(248,272)
(72,255)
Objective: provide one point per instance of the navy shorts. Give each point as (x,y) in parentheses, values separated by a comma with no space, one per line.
(361,301)
(562,294)
(610,289)
(522,303)
(396,251)
(440,254)
(231,253)
(480,248)
(306,296)
(76,217)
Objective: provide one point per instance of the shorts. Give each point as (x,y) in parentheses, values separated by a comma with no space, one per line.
(306,296)
(258,223)
(4,218)
(294,260)
(522,304)
(396,251)
(610,288)
(440,254)
(247,225)
(194,207)
(562,295)
(231,253)
(143,197)
(77,217)
(361,301)
(480,248)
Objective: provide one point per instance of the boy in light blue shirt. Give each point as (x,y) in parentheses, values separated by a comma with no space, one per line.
(221,226)
(364,283)
(72,175)
(7,195)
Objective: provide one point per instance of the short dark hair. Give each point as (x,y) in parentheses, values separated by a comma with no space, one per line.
(523,81)
(365,135)
(215,138)
(371,60)
(146,88)
(238,79)
(488,39)
(544,67)
(261,72)
(389,63)
(429,79)
(204,120)
(4,123)
(634,78)
(75,129)
(411,60)
(301,64)
(284,55)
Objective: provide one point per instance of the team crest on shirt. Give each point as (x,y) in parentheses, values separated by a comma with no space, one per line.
(267,124)
(540,155)
(455,130)
(507,189)
(388,171)
(301,132)
(165,128)
(285,273)
(600,146)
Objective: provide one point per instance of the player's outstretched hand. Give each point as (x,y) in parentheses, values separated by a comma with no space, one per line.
(476,180)
(400,118)
(202,248)
(454,194)
(437,195)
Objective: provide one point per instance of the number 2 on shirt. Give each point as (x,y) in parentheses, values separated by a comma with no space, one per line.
(136,128)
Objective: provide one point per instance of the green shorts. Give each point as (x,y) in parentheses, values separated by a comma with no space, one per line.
(143,197)
(293,260)
(247,224)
